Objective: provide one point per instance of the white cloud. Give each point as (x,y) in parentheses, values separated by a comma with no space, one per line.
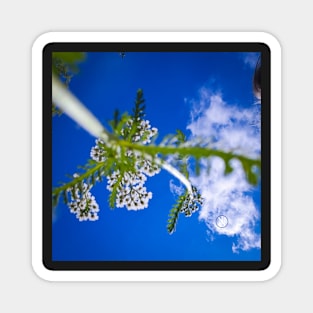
(229,128)
(175,189)
(226,126)
(250,59)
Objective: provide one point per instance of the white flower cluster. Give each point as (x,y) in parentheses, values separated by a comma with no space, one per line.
(97,153)
(146,167)
(83,203)
(143,133)
(191,203)
(130,190)
(129,186)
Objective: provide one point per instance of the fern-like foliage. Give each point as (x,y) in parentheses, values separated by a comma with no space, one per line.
(124,168)
(174,213)
(187,204)
(140,107)
(129,156)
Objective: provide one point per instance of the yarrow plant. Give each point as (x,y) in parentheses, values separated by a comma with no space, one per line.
(126,170)
(129,186)
(83,203)
(131,191)
(187,204)
(128,155)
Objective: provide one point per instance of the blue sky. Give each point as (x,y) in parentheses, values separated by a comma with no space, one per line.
(203,94)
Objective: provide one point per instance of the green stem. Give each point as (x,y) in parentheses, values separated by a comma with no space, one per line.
(77,180)
(188,151)
(69,104)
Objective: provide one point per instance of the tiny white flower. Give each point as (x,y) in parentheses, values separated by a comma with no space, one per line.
(83,203)
(93,216)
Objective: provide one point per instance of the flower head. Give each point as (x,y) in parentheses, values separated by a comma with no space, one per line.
(129,185)
(83,204)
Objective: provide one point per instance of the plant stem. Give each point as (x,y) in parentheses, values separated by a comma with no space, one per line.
(172,170)
(70,105)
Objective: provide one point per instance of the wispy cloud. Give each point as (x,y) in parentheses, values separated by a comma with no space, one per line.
(227,127)
(250,59)
(176,190)
(230,128)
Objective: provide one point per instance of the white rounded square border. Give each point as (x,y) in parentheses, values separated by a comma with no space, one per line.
(124,276)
